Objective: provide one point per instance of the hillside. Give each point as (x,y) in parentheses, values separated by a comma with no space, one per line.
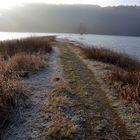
(122,20)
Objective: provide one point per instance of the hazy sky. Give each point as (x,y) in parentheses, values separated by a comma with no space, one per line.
(10,3)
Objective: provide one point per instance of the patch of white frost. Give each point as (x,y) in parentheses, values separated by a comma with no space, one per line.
(31,122)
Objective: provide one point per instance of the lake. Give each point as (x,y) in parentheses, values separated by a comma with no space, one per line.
(129,45)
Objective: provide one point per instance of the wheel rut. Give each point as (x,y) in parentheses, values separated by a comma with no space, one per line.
(99,120)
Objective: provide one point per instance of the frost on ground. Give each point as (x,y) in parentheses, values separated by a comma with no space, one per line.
(99,119)
(29,122)
(63,121)
(126,110)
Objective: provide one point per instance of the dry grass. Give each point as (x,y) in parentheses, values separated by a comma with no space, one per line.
(28,45)
(18,58)
(127,84)
(61,128)
(56,103)
(10,91)
(57,99)
(125,77)
(121,60)
(23,64)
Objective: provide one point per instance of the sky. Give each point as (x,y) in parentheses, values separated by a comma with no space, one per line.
(103,3)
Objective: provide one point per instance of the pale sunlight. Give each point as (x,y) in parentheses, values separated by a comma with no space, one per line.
(11,3)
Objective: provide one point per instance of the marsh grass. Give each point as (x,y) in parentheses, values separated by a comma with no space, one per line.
(128,84)
(23,64)
(61,126)
(28,45)
(11,90)
(18,58)
(119,59)
(125,76)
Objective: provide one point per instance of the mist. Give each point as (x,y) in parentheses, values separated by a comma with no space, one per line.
(91,19)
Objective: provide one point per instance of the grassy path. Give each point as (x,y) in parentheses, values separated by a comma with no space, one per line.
(30,122)
(99,121)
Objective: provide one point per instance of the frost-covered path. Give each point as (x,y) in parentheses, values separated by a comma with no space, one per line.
(32,123)
(99,120)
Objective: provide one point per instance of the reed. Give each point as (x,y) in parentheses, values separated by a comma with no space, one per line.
(18,58)
(119,59)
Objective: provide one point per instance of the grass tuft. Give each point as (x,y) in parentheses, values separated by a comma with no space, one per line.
(23,64)
(58,104)
(128,84)
(61,128)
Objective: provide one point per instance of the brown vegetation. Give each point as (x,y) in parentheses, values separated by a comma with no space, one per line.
(10,91)
(18,59)
(125,76)
(90,103)
(28,45)
(61,126)
(23,64)
(121,60)
(127,84)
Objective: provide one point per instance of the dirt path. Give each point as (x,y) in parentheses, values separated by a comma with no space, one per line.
(32,123)
(100,121)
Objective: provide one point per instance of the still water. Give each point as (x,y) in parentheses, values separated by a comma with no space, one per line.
(129,45)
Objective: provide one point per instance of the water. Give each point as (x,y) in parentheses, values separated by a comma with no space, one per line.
(12,35)
(129,45)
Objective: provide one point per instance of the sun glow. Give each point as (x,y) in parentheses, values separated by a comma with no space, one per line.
(11,3)
(6,4)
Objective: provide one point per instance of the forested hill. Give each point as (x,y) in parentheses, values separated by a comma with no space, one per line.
(122,20)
